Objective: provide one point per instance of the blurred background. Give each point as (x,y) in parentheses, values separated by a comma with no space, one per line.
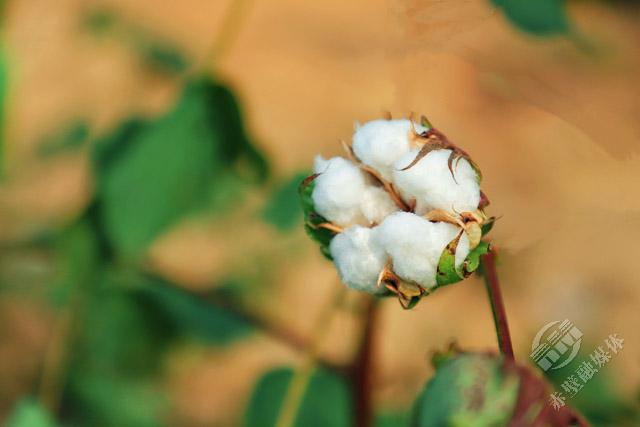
(153,266)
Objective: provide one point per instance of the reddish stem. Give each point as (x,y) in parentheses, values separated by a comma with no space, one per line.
(497,305)
(362,369)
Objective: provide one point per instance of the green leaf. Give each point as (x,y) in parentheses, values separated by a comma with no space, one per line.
(600,400)
(70,138)
(539,17)
(121,335)
(447,271)
(283,208)
(111,401)
(77,259)
(117,355)
(392,419)
(162,56)
(29,413)
(193,316)
(488,226)
(472,262)
(326,401)
(470,389)
(100,21)
(156,53)
(152,173)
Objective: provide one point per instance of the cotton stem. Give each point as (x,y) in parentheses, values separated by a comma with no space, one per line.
(497,305)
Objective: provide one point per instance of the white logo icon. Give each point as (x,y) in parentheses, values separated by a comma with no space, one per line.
(556,344)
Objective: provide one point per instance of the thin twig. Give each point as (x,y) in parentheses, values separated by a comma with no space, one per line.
(497,306)
(229,30)
(302,376)
(270,328)
(263,324)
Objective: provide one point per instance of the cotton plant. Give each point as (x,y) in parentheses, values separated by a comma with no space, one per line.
(402,213)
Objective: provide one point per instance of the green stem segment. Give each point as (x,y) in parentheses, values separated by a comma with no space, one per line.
(497,305)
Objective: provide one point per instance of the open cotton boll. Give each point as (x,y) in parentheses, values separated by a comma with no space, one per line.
(338,191)
(415,246)
(430,182)
(376,204)
(359,258)
(380,143)
(343,196)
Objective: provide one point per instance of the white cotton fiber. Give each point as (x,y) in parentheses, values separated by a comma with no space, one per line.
(415,246)
(358,258)
(338,190)
(376,204)
(430,182)
(343,195)
(380,143)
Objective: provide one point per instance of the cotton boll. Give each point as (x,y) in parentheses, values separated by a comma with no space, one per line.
(380,143)
(376,204)
(320,164)
(415,246)
(338,191)
(430,182)
(359,258)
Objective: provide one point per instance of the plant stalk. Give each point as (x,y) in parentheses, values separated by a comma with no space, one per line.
(362,369)
(497,305)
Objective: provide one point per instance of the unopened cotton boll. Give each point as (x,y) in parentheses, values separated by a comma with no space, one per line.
(380,143)
(359,258)
(431,184)
(338,190)
(415,246)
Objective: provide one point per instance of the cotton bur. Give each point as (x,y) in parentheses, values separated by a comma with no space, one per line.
(402,213)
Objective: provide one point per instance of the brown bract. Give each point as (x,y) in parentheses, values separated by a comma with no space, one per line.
(405,290)
(431,140)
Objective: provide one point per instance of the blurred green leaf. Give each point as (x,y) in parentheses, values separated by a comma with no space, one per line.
(99,21)
(77,259)
(158,54)
(283,208)
(326,401)
(70,138)
(152,173)
(599,400)
(192,315)
(29,413)
(162,56)
(109,401)
(393,419)
(540,17)
(470,389)
(121,336)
